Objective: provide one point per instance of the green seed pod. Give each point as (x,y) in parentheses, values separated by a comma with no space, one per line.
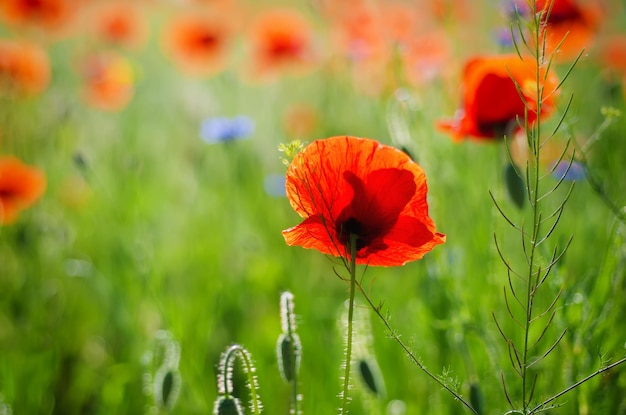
(369,377)
(476,397)
(288,355)
(166,387)
(515,185)
(227,405)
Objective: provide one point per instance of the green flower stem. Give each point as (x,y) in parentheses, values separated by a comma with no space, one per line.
(346,378)
(534,140)
(394,335)
(294,392)
(294,381)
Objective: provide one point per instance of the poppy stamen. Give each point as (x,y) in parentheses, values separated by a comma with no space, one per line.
(352,227)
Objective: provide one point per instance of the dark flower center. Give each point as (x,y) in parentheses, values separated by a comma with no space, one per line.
(352,227)
(206,41)
(284,48)
(7,194)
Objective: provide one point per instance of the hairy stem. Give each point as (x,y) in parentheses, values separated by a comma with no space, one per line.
(575,385)
(410,353)
(346,378)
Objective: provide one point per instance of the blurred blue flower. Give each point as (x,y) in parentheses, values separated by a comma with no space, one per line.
(513,11)
(275,185)
(573,173)
(504,37)
(223,129)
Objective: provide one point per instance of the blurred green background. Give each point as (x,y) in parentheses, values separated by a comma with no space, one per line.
(145,227)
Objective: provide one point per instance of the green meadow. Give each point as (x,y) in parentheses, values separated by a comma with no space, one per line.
(145,230)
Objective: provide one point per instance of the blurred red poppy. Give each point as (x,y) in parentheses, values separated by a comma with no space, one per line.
(107,81)
(20,187)
(570,25)
(300,120)
(45,14)
(612,58)
(24,67)
(492,105)
(119,23)
(198,42)
(613,53)
(281,40)
(345,186)
(426,57)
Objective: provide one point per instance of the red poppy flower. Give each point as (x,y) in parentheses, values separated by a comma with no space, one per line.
(426,57)
(281,39)
(300,120)
(119,23)
(348,185)
(197,42)
(24,67)
(46,14)
(20,187)
(491,103)
(107,81)
(613,53)
(570,25)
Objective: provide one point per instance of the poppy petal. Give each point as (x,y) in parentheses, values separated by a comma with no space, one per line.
(348,186)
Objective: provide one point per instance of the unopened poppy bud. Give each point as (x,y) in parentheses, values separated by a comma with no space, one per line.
(515,185)
(227,405)
(166,387)
(476,397)
(288,352)
(370,377)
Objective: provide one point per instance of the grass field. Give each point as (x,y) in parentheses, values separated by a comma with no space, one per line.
(150,238)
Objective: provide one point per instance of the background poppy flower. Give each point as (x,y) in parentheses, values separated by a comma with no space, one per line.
(108,81)
(51,15)
(281,39)
(571,26)
(348,185)
(491,102)
(20,187)
(120,24)
(197,42)
(24,67)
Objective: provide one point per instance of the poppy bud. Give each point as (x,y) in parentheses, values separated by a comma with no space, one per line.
(166,387)
(370,377)
(515,185)
(288,353)
(227,405)
(476,397)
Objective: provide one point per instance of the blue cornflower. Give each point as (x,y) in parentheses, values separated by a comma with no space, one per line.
(575,172)
(274,185)
(222,129)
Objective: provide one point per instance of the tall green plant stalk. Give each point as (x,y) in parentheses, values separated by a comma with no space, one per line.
(541,228)
(537,271)
(348,357)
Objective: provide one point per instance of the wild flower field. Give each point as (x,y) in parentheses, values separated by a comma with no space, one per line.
(456,168)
